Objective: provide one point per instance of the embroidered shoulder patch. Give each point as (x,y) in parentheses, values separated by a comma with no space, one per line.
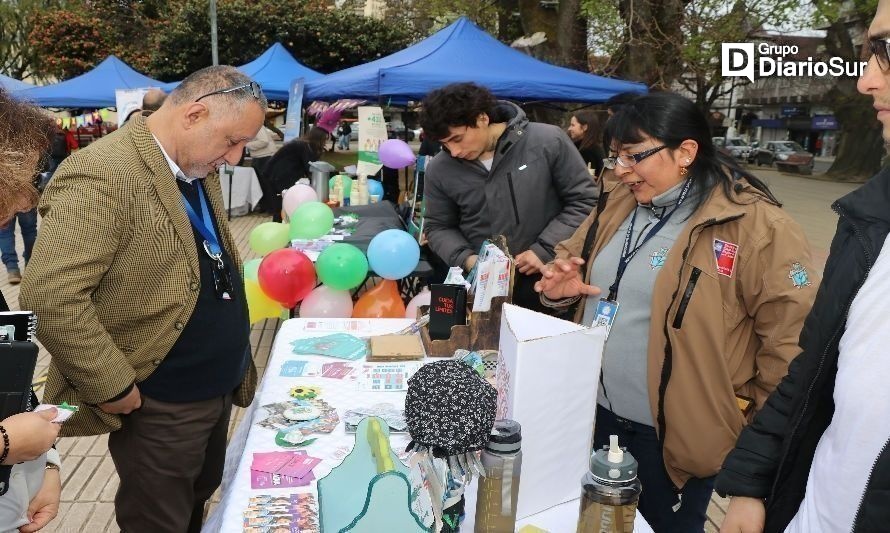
(657,258)
(799,276)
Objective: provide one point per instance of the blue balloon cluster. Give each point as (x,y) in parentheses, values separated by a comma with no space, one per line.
(393,254)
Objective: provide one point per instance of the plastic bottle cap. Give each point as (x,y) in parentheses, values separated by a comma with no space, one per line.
(616,454)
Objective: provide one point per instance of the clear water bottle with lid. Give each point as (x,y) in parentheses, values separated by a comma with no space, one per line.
(498,491)
(609,491)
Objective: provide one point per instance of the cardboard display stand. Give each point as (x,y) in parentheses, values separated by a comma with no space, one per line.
(547,380)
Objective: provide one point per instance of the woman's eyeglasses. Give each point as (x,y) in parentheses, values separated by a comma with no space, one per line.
(253,88)
(629,160)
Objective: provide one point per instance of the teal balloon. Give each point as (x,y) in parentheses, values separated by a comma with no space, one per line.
(345,180)
(311,220)
(393,254)
(342,266)
(268,237)
(251,268)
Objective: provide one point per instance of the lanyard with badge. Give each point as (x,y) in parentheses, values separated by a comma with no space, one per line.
(222,282)
(607,308)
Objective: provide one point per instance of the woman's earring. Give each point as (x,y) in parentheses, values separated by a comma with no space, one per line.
(683,172)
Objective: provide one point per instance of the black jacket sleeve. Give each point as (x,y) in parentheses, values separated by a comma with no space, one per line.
(750,468)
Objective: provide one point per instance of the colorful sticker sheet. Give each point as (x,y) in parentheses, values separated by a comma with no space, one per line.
(289,513)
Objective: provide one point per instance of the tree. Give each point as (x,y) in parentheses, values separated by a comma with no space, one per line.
(861,149)
(663,43)
(322,39)
(67,42)
(70,39)
(565,28)
(17,57)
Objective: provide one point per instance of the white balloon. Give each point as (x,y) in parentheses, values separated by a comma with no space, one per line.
(422,298)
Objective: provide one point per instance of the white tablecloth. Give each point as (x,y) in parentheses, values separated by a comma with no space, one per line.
(246,191)
(341,394)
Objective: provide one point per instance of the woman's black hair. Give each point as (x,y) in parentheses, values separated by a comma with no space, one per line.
(672,119)
(593,135)
(317,139)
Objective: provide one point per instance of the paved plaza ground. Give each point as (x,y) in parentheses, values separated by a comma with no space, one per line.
(89,480)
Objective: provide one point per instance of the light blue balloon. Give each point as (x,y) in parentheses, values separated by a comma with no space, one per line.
(375,187)
(393,254)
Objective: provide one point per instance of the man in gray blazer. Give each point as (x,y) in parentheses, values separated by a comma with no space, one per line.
(137,283)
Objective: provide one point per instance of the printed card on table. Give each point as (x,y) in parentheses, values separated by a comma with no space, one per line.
(386,377)
(298,368)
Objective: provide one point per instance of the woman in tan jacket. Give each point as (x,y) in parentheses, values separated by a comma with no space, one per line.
(704,282)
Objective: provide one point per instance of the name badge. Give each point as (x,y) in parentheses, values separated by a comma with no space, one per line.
(605,314)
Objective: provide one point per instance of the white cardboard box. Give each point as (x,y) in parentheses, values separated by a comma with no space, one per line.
(547,380)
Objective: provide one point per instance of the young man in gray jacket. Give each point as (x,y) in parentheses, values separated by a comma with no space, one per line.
(499,174)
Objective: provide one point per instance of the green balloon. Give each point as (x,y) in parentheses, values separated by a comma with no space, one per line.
(345,180)
(311,220)
(342,266)
(252,268)
(268,237)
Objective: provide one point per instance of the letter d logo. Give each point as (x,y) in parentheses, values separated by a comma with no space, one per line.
(737,59)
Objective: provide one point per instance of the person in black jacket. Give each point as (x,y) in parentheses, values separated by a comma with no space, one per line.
(817,457)
(291,163)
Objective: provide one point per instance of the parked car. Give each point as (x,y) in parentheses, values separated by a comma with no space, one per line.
(395,129)
(733,146)
(788,156)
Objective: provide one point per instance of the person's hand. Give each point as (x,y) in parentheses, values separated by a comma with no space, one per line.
(563,279)
(30,435)
(744,515)
(45,504)
(125,405)
(470,262)
(528,262)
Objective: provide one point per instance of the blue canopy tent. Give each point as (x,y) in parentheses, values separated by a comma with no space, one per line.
(93,89)
(12,85)
(464,52)
(273,70)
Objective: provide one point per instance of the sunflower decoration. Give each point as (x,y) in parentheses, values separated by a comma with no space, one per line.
(304,393)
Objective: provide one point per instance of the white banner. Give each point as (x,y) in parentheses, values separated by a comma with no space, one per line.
(371,133)
(128,100)
(294,109)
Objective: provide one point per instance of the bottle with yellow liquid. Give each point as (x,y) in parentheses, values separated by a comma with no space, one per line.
(609,491)
(498,491)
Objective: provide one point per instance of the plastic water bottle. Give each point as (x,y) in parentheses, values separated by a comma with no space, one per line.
(609,491)
(498,491)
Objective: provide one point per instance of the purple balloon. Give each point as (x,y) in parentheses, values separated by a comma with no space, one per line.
(395,153)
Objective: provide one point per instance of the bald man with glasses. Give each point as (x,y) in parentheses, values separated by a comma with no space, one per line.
(137,282)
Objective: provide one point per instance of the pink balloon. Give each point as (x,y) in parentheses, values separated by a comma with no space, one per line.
(325,302)
(422,298)
(395,153)
(296,196)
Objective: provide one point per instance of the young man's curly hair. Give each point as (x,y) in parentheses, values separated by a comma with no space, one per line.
(25,133)
(454,105)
